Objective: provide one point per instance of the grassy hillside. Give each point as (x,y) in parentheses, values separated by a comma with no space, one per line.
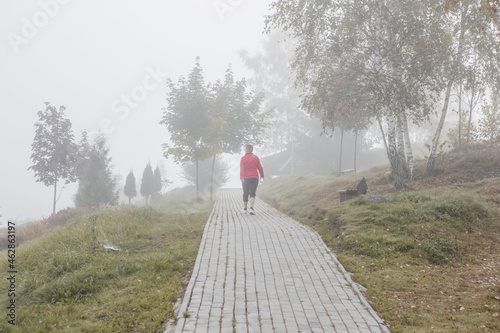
(429,259)
(70,280)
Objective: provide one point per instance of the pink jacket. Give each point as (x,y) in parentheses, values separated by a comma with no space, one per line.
(249,165)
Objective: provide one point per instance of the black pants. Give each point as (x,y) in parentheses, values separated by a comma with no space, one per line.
(249,188)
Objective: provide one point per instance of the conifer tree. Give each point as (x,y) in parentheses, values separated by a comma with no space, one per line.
(82,154)
(97,185)
(130,189)
(147,183)
(157,181)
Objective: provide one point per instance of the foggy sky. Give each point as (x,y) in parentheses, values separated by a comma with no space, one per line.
(106,61)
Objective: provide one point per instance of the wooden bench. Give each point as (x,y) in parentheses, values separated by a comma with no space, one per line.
(362,188)
(347,194)
(343,172)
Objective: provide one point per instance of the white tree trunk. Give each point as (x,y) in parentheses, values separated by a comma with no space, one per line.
(471,107)
(412,173)
(397,170)
(460,118)
(55,193)
(435,141)
(401,146)
(340,154)
(355,149)
(383,135)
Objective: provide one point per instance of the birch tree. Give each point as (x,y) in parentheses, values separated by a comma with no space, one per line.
(377,57)
(489,124)
(474,57)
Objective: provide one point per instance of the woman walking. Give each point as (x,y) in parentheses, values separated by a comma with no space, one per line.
(250,169)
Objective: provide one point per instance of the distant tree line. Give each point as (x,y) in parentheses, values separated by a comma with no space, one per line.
(58,158)
(203,121)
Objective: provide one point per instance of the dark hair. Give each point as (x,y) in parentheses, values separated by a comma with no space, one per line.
(249,148)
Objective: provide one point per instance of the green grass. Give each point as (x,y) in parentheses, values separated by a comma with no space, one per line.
(68,282)
(429,259)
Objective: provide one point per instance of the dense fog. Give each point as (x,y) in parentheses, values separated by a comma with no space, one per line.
(107,63)
(195,81)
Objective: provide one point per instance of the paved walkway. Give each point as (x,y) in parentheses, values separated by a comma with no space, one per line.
(268,273)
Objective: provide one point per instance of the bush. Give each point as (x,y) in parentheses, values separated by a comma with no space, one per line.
(463,212)
(437,248)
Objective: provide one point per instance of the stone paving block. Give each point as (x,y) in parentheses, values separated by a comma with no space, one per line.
(266,328)
(254,326)
(280,329)
(364,330)
(218,304)
(292,327)
(269,271)
(187,330)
